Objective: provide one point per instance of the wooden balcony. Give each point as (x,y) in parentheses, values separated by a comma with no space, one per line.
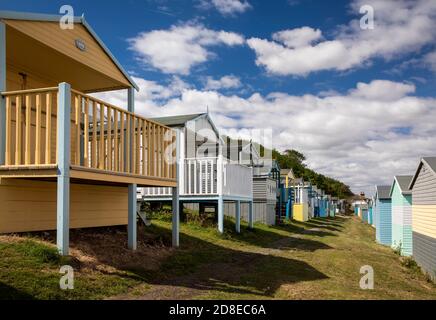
(107,144)
(209,177)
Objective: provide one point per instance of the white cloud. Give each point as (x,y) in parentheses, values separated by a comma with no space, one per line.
(382,90)
(181,47)
(362,137)
(400,27)
(430,59)
(225,82)
(226,7)
(297,37)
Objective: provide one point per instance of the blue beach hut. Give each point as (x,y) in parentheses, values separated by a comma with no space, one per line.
(383,209)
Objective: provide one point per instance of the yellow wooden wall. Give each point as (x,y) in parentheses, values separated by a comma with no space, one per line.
(31,206)
(424,220)
(63,41)
(300,212)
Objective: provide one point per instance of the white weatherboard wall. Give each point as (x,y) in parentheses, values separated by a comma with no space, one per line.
(401,221)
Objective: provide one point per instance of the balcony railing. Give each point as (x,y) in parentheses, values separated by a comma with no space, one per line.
(210,177)
(102,136)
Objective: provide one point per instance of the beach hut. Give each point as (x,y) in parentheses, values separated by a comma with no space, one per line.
(323,207)
(365,214)
(383,215)
(67,159)
(212,173)
(401,197)
(265,192)
(370,213)
(316,201)
(301,203)
(423,188)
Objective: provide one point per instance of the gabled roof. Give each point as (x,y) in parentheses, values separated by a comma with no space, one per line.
(29,16)
(178,121)
(383,192)
(287,172)
(430,162)
(403,183)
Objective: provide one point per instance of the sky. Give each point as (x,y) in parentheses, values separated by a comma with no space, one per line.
(359,103)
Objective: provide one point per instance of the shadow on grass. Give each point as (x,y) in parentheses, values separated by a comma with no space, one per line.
(10,293)
(200,263)
(288,237)
(205,266)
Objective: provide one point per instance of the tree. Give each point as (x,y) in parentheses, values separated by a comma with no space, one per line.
(293,159)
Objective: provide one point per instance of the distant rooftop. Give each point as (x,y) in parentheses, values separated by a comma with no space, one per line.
(404,182)
(383,192)
(175,121)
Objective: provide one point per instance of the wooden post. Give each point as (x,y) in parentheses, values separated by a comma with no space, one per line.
(176,201)
(238,216)
(2,88)
(250,215)
(220,214)
(63,179)
(131,229)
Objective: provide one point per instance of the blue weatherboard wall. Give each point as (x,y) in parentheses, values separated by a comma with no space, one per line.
(323,208)
(356,210)
(384,221)
(365,215)
(370,216)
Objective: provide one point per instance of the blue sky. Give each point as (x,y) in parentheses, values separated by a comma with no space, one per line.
(116,21)
(338,95)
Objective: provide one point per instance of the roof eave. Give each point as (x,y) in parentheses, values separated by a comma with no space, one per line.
(30,16)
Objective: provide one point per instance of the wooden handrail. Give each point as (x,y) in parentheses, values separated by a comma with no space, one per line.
(118,108)
(17,92)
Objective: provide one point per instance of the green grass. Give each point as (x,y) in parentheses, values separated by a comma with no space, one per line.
(319,259)
(29,269)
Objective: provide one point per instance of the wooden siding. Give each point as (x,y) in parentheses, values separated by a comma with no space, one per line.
(300,212)
(384,222)
(424,189)
(424,220)
(424,253)
(63,41)
(264,188)
(401,221)
(323,213)
(31,206)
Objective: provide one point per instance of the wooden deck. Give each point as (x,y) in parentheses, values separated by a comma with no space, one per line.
(107,143)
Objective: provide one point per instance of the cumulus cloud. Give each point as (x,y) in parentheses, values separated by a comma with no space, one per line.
(362,137)
(181,47)
(297,37)
(400,27)
(225,82)
(226,7)
(383,90)
(430,59)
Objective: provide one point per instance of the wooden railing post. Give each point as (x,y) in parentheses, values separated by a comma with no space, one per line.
(2,88)
(64,161)
(175,192)
(131,228)
(220,174)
